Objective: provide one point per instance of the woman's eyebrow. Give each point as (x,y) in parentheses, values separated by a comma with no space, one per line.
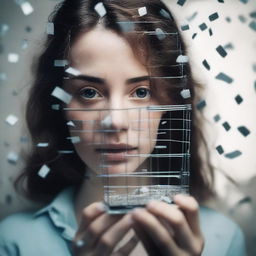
(137,79)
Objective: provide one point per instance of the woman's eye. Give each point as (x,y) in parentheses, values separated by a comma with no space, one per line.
(142,93)
(89,93)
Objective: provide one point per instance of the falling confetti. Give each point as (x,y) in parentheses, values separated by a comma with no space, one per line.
(50,28)
(243,130)
(225,78)
(242,18)
(244,1)
(185,27)
(181,2)
(217,118)
(210,32)
(238,99)
(221,51)
(55,107)
(206,65)
(233,154)
(185,94)
(160,34)
(142,11)
(27,8)
(13,57)
(214,16)
(60,94)
(100,9)
(194,35)
(60,63)
(192,17)
(126,26)
(226,126)
(228,46)
(11,120)
(201,104)
(12,157)
(43,172)
(73,71)
(203,26)
(220,149)
(182,59)
(165,14)
(42,144)
(252,25)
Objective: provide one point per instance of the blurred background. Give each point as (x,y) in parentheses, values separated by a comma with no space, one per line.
(221,41)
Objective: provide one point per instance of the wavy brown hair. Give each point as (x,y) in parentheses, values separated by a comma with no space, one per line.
(45,124)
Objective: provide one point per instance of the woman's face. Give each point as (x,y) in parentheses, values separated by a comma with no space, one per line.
(115,89)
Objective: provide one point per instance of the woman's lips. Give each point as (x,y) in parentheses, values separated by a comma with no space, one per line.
(115,153)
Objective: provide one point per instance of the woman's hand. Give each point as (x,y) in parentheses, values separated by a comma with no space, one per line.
(170,229)
(99,233)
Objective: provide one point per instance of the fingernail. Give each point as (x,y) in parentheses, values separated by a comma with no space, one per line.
(102,207)
(79,243)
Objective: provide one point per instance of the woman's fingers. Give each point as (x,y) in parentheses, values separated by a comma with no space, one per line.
(127,248)
(108,241)
(190,208)
(156,231)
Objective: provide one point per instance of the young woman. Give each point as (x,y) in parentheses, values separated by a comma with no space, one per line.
(120,55)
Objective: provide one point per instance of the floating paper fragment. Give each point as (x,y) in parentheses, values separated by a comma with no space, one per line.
(217,118)
(12,157)
(142,11)
(182,59)
(226,126)
(228,19)
(252,25)
(126,26)
(13,57)
(24,139)
(74,139)
(166,199)
(238,99)
(253,14)
(24,44)
(225,78)
(164,122)
(185,93)
(71,123)
(242,18)
(206,65)
(60,63)
(144,189)
(210,32)
(243,130)
(66,151)
(107,122)
(160,34)
(221,1)
(44,170)
(3,77)
(214,16)
(160,147)
(42,144)
(192,17)
(181,2)
(56,106)
(244,1)
(50,28)
(203,26)
(184,27)
(8,199)
(254,67)
(100,9)
(3,29)
(194,35)
(73,71)
(255,85)
(229,46)
(11,119)
(221,51)
(61,95)
(220,149)
(28,29)
(233,154)
(165,14)
(201,104)
(27,8)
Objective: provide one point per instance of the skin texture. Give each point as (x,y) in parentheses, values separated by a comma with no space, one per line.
(162,229)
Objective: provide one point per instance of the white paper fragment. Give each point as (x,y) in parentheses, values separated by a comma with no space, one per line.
(144,189)
(60,63)
(142,11)
(42,144)
(13,57)
(56,106)
(160,147)
(166,199)
(50,28)
(44,170)
(3,77)
(71,123)
(3,29)
(73,71)
(160,34)
(24,44)
(107,122)
(164,122)
(61,95)
(182,59)
(11,119)
(74,139)
(185,94)
(12,157)
(27,8)
(100,9)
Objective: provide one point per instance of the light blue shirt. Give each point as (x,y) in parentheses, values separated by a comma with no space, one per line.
(49,231)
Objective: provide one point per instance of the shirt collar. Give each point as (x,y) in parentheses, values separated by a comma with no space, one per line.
(61,213)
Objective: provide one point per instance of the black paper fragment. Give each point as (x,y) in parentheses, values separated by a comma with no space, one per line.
(228,46)
(238,99)
(253,14)
(185,27)
(181,2)
(222,52)
(217,118)
(228,19)
(192,17)
(201,104)
(220,149)
(221,1)
(210,32)
(242,18)
(233,154)
(225,78)
(206,64)
(243,130)
(244,1)
(194,35)
(226,126)
(252,25)
(214,16)
(203,26)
